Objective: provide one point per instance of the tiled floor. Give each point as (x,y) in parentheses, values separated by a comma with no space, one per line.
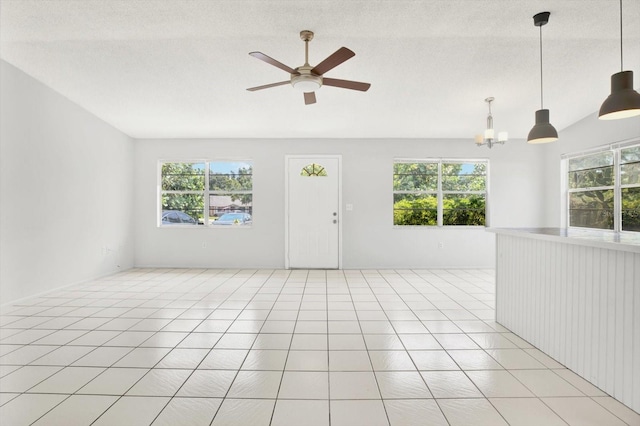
(245,347)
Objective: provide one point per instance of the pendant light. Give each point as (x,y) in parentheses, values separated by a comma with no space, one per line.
(489,136)
(623,102)
(542,131)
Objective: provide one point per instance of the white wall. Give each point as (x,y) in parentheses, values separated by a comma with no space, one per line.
(369,238)
(66,191)
(590,132)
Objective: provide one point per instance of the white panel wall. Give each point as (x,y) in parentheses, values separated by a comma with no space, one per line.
(578,304)
(66,191)
(590,132)
(369,238)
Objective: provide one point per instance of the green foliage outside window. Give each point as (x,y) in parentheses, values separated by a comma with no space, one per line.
(188,178)
(630,175)
(593,190)
(463,193)
(184,187)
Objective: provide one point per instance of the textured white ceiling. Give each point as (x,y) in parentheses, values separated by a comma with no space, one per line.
(179,68)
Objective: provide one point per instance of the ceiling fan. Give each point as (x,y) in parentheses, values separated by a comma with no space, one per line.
(308,79)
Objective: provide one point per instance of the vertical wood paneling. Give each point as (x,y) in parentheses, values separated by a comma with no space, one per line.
(635,400)
(602,282)
(619,342)
(627,325)
(579,304)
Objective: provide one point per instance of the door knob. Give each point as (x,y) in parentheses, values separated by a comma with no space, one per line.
(335,221)
(335,213)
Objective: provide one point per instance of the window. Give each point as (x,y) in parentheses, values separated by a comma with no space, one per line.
(591,181)
(215,193)
(603,189)
(630,188)
(313,169)
(439,192)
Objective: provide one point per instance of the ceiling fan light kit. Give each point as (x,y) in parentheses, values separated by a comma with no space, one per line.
(623,102)
(308,79)
(542,131)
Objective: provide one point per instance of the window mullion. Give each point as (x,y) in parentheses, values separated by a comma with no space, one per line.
(207,197)
(617,192)
(440,196)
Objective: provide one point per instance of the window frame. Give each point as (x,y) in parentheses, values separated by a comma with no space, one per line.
(440,192)
(206,192)
(617,187)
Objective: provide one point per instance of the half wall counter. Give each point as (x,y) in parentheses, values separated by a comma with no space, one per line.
(575,295)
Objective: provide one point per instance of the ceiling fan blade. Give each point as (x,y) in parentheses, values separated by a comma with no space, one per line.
(269,60)
(309,98)
(346,84)
(266,86)
(335,59)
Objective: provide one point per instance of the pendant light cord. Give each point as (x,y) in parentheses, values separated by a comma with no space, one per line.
(621,66)
(541,92)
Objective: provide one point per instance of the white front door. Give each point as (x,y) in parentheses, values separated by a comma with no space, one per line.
(313,202)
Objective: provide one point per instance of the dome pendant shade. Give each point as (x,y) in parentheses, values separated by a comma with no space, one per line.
(542,131)
(623,101)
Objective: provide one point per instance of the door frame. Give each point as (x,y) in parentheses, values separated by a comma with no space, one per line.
(286,201)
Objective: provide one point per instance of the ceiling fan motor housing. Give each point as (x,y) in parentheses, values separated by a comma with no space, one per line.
(305,80)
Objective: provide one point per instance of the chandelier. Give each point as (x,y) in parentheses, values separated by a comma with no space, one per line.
(489,138)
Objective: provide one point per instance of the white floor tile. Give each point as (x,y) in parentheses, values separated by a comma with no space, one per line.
(309,342)
(498,383)
(188,412)
(183,358)
(224,359)
(465,412)
(402,384)
(455,341)
(243,412)
(433,360)
(27,408)
(545,383)
(132,410)
(579,383)
(63,356)
(26,377)
(304,385)
(411,412)
(620,410)
(582,411)
(142,357)
(349,361)
(383,342)
(349,342)
(102,357)
(358,413)
(113,381)
(301,412)
(279,347)
(160,382)
(255,384)
(450,384)
(26,354)
(420,341)
(77,410)
(353,385)
(391,361)
(474,360)
(207,383)
(526,412)
(308,361)
(513,359)
(67,380)
(265,359)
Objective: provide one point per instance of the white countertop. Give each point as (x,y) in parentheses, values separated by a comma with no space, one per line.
(624,241)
